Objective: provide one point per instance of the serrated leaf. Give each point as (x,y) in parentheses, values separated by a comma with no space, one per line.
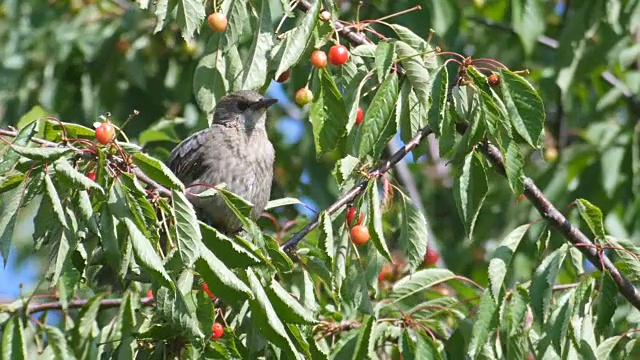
(11,157)
(605,347)
(297,41)
(524,106)
(146,255)
(317,353)
(375,220)
(516,310)
(289,309)
(325,238)
(607,303)
(528,19)
(86,320)
(470,190)
(414,234)
(278,257)
(378,125)
(365,341)
(413,284)
(188,236)
(173,306)
(256,64)
(385,52)
(513,165)
(592,215)
(10,181)
(414,41)
(410,115)
(82,205)
(486,322)
(11,202)
(239,206)
(272,204)
(234,252)
(267,318)
(439,104)
(542,283)
(157,171)
(328,115)
(189,15)
(64,169)
(222,281)
(52,194)
(351,97)
(47,154)
(57,340)
(502,256)
(628,263)
(417,73)
(13,340)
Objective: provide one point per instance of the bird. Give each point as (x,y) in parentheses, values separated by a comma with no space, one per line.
(234,150)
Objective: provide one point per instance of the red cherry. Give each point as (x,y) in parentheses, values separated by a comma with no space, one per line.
(386,272)
(493,80)
(105,133)
(304,96)
(359,116)
(205,288)
(351,214)
(284,76)
(217,330)
(338,55)
(217,22)
(319,59)
(92,176)
(150,294)
(431,257)
(360,235)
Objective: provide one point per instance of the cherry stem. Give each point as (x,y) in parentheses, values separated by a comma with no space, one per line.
(417,7)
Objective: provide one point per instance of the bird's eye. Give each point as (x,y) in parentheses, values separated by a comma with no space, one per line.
(243,105)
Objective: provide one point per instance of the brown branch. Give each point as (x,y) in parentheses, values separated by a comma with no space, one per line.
(359,188)
(531,191)
(75,304)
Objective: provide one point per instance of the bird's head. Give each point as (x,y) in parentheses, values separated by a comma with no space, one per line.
(245,107)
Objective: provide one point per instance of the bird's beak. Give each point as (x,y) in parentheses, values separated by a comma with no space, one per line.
(263,103)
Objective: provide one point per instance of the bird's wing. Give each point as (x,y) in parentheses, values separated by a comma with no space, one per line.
(186,160)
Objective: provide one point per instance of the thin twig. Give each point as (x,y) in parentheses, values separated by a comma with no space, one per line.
(75,304)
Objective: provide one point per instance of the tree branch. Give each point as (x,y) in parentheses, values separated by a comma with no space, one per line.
(531,191)
(75,304)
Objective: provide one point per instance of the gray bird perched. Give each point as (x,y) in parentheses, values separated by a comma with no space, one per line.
(234,150)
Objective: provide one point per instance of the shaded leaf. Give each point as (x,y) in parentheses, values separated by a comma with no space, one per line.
(592,215)
(502,256)
(289,309)
(543,281)
(157,171)
(328,115)
(414,234)
(146,255)
(188,236)
(375,220)
(469,191)
(222,281)
(524,106)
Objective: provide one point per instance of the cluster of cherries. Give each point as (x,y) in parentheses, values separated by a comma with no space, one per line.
(359,233)
(338,55)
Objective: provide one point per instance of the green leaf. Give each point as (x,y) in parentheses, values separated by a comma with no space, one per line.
(13,340)
(439,104)
(10,181)
(605,347)
(328,115)
(222,281)
(592,215)
(267,318)
(173,306)
(365,341)
(57,340)
(52,194)
(417,282)
(524,106)
(417,72)
(188,236)
(289,309)
(272,204)
(529,22)
(416,42)
(28,119)
(410,115)
(502,256)
(298,39)
(146,255)
(607,303)
(10,157)
(414,234)
(325,238)
(234,252)
(375,220)
(11,202)
(378,125)
(385,53)
(469,191)
(317,353)
(486,322)
(68,172)
(110,243)
(542,283)
(239,206)
(157,171)
(256,64)
(47,154)
(513,165)
(278,257)
(516,310)
(628,263)
(86,320)
(82,207)
(189,15)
